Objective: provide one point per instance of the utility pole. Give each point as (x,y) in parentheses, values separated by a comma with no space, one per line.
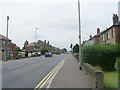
(36,34)
(80,46)
(7,38)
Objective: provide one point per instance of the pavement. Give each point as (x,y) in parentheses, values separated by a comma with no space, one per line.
(69,76)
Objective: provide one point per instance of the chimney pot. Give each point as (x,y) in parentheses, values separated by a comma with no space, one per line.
(98,30)
(45,41)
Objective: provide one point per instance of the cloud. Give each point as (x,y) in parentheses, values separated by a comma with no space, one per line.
(56,20)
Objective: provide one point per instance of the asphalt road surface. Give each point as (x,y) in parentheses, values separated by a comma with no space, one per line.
(28,72)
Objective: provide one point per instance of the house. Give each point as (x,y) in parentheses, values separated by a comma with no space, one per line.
(109,36)
(32,48)
(13,48)
(93,40)
(112,34)
(7,48)
(45,45)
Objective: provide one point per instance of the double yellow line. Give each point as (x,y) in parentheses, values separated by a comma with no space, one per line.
(48,76)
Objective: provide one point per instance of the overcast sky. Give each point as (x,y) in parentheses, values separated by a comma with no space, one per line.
(57,21)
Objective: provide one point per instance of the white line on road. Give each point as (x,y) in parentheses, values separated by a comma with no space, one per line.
(15,66)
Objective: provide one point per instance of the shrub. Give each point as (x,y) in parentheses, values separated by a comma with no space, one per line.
(117,66)
(101,55)
(43,51)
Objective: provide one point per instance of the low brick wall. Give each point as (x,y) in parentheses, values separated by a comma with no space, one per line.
(95,75)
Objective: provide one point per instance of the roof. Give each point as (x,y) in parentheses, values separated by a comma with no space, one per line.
(3,37)
(13,43)
(117,24)
(40,41)
(33,44)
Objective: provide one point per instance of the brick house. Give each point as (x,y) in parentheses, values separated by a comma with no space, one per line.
(109,36)
(13,48)
(32,48)
(93,40)
(47,46)
(10,48)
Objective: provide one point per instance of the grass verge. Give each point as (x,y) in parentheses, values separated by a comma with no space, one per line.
(111,79)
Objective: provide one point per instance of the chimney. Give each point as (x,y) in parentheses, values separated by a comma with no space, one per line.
(44,41)
(98,30)
(90,36)
(115,19)
(48,43)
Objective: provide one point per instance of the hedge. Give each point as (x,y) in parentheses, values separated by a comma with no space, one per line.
(117,67)
(101,55)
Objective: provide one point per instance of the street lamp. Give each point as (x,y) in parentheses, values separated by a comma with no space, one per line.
(7,38)
(80,46)
(36,34)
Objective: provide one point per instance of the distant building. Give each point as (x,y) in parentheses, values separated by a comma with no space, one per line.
(47,46)
(119,10)
(32,48)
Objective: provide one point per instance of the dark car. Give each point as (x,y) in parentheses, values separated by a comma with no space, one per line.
(48,54)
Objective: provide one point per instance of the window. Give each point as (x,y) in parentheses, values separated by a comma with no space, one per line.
(4,42)
(112,32)
(108,35)
(103,37)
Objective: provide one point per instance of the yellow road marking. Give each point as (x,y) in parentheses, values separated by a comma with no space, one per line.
(46,78)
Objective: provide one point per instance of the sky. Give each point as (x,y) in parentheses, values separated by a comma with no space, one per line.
(56,20)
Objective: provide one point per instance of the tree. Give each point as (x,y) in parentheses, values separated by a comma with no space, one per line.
(43,51)
(76,48)
(18,50)
(25,44)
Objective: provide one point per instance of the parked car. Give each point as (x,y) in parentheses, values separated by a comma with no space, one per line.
(48,54)
(39,54)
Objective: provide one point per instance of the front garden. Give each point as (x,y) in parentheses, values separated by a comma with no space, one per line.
(106,58)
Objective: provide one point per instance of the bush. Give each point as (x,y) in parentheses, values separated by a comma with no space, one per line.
(101,55)
(116,63)
(117,67)
(43,51)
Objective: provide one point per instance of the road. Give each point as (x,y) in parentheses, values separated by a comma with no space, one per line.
(27,73)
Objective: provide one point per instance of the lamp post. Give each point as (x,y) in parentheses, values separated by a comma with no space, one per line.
(80,46)
(36,34)
(7,38)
